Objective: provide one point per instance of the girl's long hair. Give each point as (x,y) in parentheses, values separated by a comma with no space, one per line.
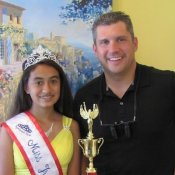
(23,102)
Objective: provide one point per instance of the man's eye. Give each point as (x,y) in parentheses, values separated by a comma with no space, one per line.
(105,42)
(121,39)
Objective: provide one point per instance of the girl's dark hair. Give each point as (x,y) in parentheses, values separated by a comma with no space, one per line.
(23,102)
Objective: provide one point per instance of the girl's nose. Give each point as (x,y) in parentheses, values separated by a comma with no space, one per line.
(46,87)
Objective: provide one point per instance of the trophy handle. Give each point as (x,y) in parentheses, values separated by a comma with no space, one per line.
(100,142)
(80,142)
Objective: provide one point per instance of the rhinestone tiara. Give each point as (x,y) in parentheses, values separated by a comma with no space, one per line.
(38,55)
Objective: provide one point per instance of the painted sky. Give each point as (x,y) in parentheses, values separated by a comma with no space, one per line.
(42,17)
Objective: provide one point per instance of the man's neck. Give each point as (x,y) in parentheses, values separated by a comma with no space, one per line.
(120,83)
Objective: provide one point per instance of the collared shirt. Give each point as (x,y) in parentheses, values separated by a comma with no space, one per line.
(151,147)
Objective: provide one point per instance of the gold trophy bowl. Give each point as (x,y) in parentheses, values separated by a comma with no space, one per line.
(90,146)
(90,150)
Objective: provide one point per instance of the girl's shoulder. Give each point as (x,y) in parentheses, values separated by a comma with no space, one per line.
(70,122)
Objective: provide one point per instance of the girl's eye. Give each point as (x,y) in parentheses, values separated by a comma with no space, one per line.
(54,81)
(38,83)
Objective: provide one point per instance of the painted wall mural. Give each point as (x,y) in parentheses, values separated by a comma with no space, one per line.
(63,27)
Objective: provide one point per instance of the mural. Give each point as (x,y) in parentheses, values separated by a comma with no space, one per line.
(63,27)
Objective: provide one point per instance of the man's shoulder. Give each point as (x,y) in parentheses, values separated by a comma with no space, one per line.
(158,77)
(155,71)
(91,87)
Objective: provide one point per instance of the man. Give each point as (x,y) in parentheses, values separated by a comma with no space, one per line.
(136,105)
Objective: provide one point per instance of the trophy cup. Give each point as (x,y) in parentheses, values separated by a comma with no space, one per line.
(90,145)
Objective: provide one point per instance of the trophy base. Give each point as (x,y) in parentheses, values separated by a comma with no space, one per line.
(91,171)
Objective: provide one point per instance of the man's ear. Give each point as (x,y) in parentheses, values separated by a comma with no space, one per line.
(95,48)
(135,41)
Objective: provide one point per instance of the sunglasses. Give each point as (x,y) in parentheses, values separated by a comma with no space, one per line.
(120,129)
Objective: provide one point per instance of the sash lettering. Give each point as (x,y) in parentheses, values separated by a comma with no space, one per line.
(33,144)
(35,150)
(44,171)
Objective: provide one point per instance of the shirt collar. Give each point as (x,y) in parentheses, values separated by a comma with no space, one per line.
(142,79)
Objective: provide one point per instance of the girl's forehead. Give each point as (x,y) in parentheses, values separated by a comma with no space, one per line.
(44,68)
(44,71)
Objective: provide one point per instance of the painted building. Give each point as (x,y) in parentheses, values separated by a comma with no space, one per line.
(11,32)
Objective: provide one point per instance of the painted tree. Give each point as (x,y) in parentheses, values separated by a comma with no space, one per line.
(85,10)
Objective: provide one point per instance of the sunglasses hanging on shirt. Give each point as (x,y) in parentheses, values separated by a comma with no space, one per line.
(123,128)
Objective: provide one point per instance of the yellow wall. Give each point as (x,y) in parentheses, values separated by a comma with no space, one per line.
(154,25)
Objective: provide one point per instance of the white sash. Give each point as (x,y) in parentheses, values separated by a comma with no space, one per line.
(33,144)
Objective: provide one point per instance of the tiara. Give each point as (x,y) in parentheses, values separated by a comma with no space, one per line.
(38,55)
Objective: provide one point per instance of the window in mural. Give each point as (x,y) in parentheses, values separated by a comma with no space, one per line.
(63,27)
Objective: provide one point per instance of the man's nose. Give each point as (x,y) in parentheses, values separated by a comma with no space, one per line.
(114,46)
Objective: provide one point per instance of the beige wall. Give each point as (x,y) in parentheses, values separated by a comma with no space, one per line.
(154,25)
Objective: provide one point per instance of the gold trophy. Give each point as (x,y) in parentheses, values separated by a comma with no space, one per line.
(90,145)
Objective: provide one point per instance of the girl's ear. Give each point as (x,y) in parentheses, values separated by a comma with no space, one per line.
(26,89)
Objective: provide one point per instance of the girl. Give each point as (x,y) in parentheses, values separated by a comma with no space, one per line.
(39,138)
